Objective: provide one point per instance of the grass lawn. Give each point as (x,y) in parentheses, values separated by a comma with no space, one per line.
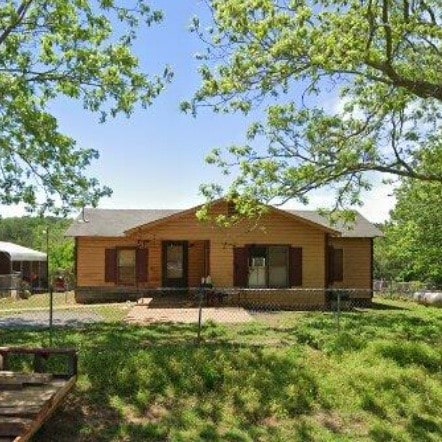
(284,377)
(64,304)
(37,301)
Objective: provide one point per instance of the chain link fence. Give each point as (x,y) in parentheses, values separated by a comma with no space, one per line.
(198,306)
(10,285)
(211,334)
(400,289)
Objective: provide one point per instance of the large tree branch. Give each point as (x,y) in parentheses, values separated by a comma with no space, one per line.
(423,89)
(387,31)
(21,12)
(406,173)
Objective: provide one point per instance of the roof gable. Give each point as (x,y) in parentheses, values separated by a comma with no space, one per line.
(171,216)
(285,213)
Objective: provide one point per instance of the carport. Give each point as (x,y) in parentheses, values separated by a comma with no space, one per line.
(27,264)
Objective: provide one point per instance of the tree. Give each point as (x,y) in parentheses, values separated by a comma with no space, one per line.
(379,58)
(20,230)
(78,49)
(412,247)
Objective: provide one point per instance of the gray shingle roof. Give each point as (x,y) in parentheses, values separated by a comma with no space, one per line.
(114,222)
(362,228)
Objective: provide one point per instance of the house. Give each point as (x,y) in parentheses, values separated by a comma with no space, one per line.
(287,258)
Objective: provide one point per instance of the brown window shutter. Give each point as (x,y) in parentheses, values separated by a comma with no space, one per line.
(240,266)
(330,261)
(338,265)
(206,258)
(142,260)
(295,270)
(110,265)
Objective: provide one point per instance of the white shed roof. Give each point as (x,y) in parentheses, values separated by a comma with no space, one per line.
(20,253)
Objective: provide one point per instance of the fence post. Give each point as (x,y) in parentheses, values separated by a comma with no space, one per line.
(51,312)
(51,306)
(338,312)
(200,312)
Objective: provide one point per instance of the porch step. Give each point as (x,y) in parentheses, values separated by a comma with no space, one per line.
(144,301)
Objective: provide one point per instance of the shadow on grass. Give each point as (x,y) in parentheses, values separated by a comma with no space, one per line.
(412,353)
(359,329)
(156,383)
(381,306)
(196,387)
(424,428)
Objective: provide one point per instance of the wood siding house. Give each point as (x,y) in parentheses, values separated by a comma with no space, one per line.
(287,258)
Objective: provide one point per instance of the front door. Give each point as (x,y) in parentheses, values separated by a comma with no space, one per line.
(175,267)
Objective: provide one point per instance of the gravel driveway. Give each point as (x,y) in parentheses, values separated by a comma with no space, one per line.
(40,319)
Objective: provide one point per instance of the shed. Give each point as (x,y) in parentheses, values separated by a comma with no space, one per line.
(29,264)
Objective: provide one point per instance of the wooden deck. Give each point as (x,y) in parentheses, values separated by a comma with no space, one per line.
(28,399)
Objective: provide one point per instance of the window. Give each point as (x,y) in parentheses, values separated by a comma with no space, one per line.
(126,260)
(268,266)
(258,267)
(278,266)
(174,261)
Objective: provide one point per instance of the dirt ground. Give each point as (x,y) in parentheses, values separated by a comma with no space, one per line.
(223,315)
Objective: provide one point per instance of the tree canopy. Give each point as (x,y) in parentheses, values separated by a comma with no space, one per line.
(412,247)
(78,49)
(379,60)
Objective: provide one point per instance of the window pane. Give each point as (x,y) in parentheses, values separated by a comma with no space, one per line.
(257,267)
(126,266)
(278,266)
(126,257)
(257,276)
(126,275)
(258,252)
(174,263)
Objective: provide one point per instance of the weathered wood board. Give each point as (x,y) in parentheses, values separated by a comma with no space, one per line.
(27,400)
(23,411)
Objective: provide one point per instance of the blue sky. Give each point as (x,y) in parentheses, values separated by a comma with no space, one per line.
(155,159)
